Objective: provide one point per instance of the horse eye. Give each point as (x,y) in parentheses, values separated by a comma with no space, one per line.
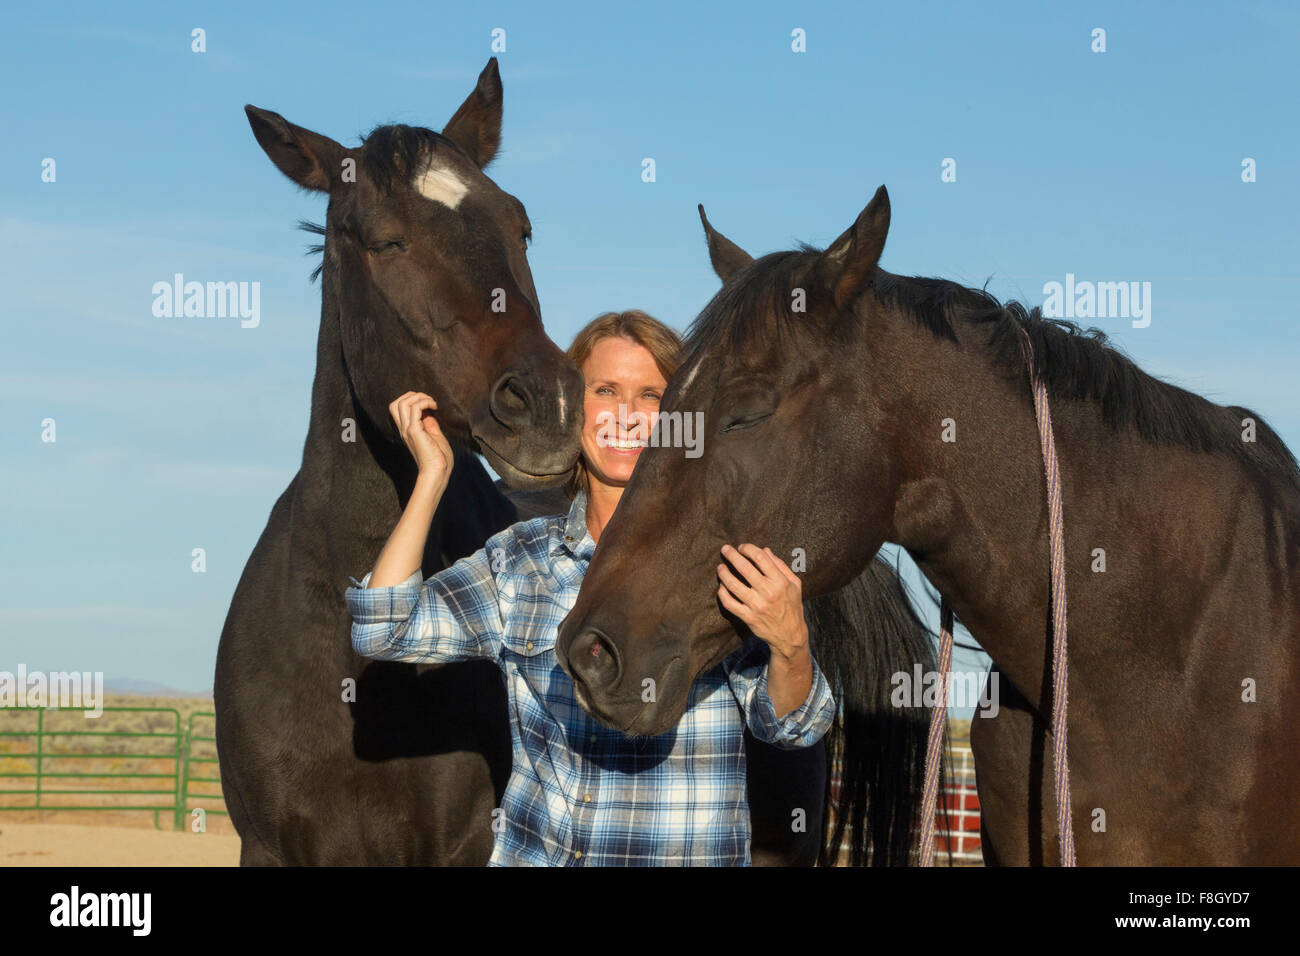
(527,238)
(388,245)
(745,422)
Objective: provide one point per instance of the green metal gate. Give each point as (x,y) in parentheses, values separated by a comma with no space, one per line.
(46,767)
(206,754)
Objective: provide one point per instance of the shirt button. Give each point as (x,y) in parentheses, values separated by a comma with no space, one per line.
(578,855)
(586,798)
(568,537)
(528,646)
(592,738)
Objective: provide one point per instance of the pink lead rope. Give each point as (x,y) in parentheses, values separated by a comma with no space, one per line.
(1060,664)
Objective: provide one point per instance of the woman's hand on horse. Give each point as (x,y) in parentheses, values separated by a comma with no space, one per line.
(769,599)
(413,414)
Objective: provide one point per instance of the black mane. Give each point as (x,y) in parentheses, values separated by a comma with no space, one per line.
(1075,363)
(753,305)
(1082,365)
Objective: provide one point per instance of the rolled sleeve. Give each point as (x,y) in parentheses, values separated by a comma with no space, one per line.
(454,615)
(801,727)
(369,605)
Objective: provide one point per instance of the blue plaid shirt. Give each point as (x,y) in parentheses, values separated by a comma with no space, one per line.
(581,793)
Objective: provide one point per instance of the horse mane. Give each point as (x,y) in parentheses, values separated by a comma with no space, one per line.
(1083,365)
(753,305)
(863,635)
(1074,363)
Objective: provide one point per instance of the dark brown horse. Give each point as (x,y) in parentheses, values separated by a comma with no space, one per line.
(327,757)
(847,406)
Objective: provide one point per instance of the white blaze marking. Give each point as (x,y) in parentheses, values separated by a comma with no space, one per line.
(560,383)
(690,376)
(441,185)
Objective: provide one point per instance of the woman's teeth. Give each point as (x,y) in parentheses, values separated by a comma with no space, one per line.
(625,445)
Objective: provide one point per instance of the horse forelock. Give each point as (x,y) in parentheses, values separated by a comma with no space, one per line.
(754,305)
(399,153)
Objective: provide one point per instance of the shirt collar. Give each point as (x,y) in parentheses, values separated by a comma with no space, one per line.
(574,536)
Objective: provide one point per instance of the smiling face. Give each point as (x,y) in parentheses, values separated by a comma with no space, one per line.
(621,402)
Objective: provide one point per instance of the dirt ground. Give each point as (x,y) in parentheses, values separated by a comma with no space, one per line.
(87,843)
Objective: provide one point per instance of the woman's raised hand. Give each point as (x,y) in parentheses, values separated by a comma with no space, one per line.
(413,413)
(769,598)
(420,432)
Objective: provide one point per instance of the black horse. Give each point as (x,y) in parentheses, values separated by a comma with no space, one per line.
(849,406)
(327,757)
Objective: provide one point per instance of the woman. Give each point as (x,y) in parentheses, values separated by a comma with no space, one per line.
(580,793)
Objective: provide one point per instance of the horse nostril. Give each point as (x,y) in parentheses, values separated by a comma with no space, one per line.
(511,402)
(595,660)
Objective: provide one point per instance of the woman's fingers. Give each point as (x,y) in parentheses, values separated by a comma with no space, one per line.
(422,434)
(784,569)
(755,575)
(416,409)
(736,607)
(395,409)
(410,411)
(762,560)
(734,584)
(741,563)
(771,602)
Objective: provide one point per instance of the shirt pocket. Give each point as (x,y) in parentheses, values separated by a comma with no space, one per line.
(530,635)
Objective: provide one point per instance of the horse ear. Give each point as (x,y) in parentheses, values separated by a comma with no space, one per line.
(476,127)
(852,258)
(727,257)
(311,160)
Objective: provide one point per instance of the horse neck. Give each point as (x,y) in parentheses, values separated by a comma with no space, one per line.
(972,511)
(349,494)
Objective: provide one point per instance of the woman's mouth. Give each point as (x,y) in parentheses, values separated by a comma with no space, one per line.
(624,446)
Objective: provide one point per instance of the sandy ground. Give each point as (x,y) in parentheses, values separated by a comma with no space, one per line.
(66,844)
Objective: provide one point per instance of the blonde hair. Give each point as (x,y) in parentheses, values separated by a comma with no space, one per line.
(663,344)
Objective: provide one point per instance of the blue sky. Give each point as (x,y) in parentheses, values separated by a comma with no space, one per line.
(181,433)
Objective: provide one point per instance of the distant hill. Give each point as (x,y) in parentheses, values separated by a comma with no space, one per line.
(148,688)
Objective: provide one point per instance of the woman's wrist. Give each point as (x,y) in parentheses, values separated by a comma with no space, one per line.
(793,649)
(429,485)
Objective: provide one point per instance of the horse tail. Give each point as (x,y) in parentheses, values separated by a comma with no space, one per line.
(864,634)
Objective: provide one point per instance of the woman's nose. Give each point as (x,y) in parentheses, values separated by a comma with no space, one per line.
(641,418)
